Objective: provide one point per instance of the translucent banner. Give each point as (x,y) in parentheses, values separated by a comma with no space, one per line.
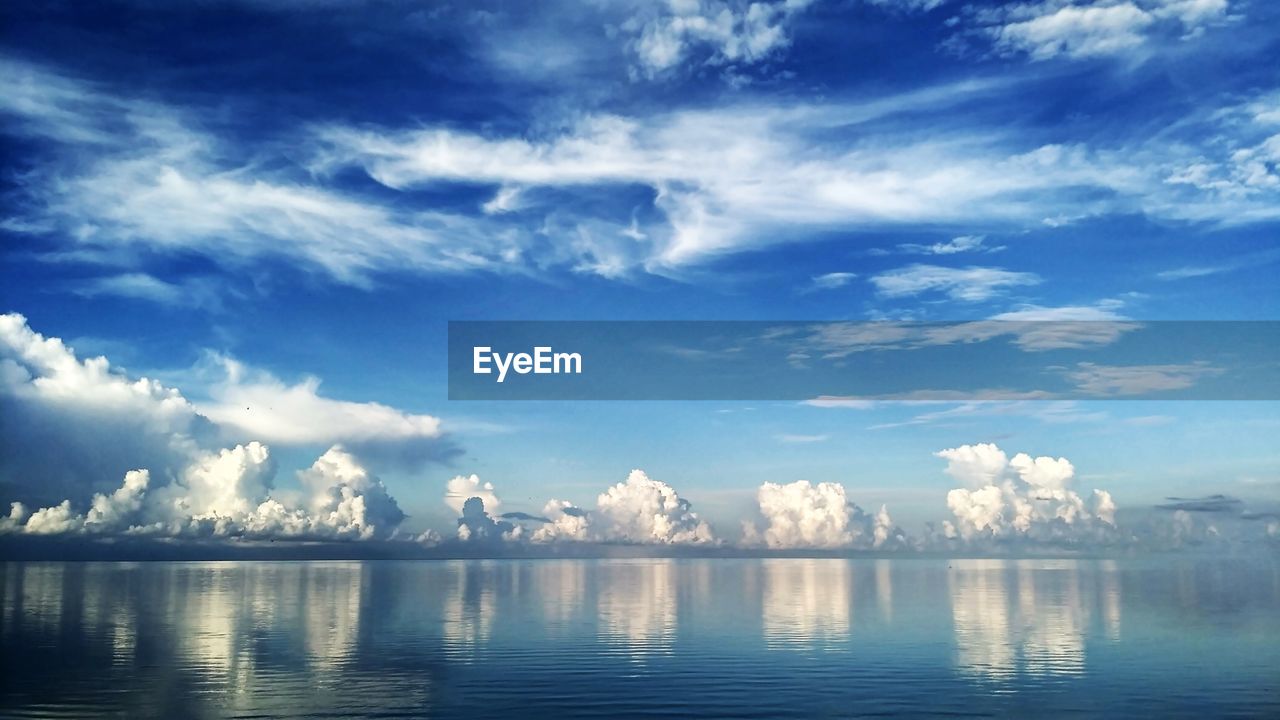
(857,362)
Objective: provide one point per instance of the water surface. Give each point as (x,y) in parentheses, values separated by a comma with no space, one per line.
(661,637)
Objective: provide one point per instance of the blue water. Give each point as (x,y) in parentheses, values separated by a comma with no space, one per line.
(627,638)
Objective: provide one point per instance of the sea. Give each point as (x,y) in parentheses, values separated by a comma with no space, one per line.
(1157,637)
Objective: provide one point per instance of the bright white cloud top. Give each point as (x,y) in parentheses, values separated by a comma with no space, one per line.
(1021,498)
(228,495)
(802,515)
(650,511)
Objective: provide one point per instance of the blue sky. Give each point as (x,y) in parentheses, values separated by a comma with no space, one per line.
(234,197)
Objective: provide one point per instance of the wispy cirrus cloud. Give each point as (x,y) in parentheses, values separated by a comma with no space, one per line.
(956,245)
(968,284)
(121,174)
(830,281)
(186,293)
(1119,380)
(801,439)
(118,175)
(1249,260)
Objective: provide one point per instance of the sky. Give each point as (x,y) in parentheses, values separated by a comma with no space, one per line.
(262,216)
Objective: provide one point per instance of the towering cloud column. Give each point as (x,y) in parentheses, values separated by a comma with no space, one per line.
(802,515)
(1021,498)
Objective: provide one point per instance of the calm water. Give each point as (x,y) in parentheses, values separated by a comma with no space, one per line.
(619,638)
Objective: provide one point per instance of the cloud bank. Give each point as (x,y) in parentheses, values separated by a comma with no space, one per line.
(72,424)
(228,495)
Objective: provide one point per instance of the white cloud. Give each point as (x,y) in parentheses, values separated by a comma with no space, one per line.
(1249,260)
(643,510)
(960,244)
(127,175)
(506,200)
(85,423)
(663,38)
(1076,31)
(770,179)
(1022,498)
(462,488)
(1037,406)
(76,424)
(802,515)
(249,403)
(831,280)
(137,174)
(1096,28)
(640,510)
(347,499)
(194,293)
(925,5)
(1191,271)
(53,520)
(970,284)
(220,487)
(567,522)
(227,494)
(477,504)
(1032,328)
(804,439)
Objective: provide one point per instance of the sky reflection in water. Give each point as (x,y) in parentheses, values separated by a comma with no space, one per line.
(735,638)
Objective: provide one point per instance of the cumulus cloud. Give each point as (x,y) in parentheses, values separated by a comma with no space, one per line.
(565,521)
(640,510)
(71,425)
(477,525)
(349,500)
(802,515)
(462,488)
(227,494)
(476,502)
(1022,498)
(644,510)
